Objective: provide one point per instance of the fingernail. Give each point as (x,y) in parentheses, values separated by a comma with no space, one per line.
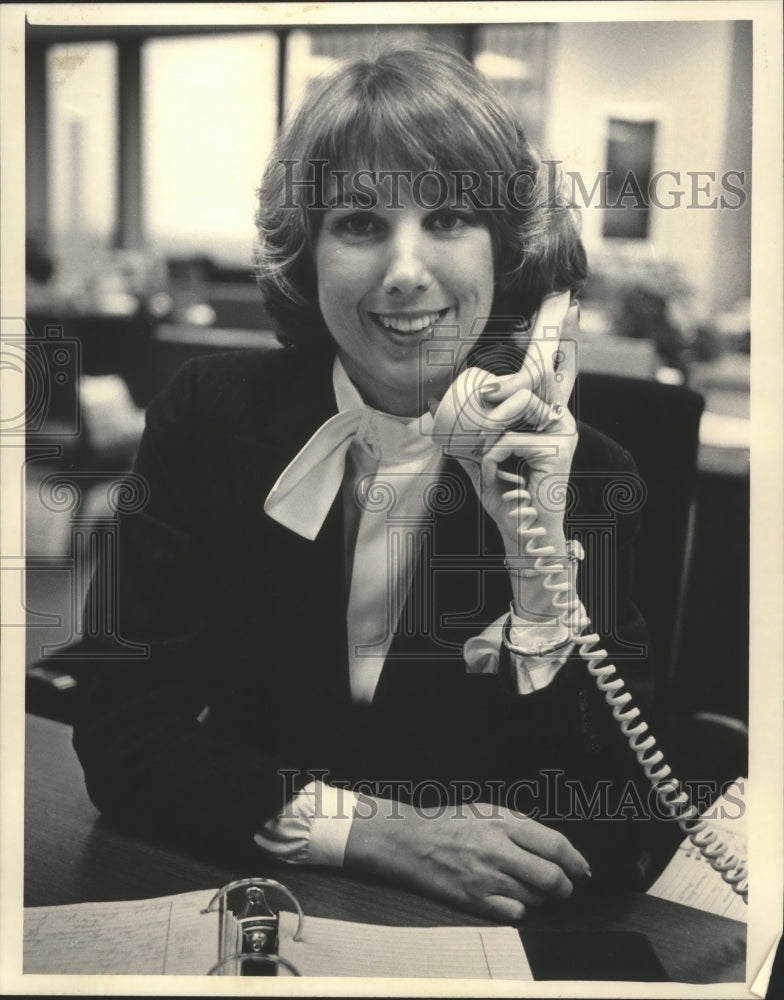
(556,412)
(587,871)
(488,390)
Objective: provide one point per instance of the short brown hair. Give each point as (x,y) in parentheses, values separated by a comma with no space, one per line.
(425,110)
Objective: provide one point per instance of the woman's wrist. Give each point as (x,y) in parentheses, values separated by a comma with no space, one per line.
(553,537)
(531,600)
(553,541)
(367,847)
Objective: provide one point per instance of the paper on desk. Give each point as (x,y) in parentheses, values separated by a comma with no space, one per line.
(164,936)
(343,948)
(689,879)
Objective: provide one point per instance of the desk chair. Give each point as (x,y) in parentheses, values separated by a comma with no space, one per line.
(659,425)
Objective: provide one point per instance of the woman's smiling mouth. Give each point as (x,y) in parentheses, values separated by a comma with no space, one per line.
(408,322)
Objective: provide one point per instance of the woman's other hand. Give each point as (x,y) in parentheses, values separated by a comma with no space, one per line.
(492,861)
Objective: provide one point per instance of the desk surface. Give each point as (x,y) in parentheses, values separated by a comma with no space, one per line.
(71,856)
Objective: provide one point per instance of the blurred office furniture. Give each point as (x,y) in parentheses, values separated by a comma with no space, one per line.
(612,355)
(659,425)
(176,343)
(104,343)
(224,297)
(714,656)
(701,711)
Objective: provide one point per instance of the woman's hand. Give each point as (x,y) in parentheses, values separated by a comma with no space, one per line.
(526,419)
(492,861)
(521,421)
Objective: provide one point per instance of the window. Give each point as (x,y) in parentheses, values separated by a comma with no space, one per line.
(210,101)
(315,51)
(82,146)
(514,58)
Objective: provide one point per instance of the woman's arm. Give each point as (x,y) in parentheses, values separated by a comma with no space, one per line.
(149,763)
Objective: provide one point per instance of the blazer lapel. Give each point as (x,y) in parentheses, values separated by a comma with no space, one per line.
(304,580)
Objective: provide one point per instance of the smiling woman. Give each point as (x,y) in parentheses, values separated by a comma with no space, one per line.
(374,670)
(386,279)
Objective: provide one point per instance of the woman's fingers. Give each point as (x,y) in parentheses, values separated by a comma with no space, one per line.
(513,888)
(545,879)
(534,878)
(503,909)
(500,864)
(523,409)
(554,450)
(550,847)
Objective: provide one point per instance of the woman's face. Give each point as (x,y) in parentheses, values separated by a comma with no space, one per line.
(388,279)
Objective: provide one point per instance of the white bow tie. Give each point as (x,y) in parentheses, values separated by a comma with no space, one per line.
(307,487)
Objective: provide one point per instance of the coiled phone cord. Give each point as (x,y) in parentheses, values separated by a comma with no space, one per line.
(670,795)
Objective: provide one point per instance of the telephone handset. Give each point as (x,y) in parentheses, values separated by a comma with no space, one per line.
(460,424)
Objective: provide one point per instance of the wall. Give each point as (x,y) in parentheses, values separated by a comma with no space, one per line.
(732,278)
(678,73)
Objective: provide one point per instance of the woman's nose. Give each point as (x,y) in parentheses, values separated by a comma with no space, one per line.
(407,267)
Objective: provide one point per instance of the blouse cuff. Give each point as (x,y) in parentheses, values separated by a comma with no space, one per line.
(530,672)
(313,828)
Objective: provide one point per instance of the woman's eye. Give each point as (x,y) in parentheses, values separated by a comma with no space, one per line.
(359,224)
(449,222)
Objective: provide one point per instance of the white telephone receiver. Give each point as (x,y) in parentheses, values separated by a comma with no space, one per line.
(460,425)
(460,422)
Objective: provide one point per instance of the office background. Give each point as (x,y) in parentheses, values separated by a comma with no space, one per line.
(144,147)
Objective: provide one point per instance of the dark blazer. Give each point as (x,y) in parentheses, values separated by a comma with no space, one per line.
(246,619)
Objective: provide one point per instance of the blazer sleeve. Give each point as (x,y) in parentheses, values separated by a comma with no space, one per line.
(148,761)
(606,577)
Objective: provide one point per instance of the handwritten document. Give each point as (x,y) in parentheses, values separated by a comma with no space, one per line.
(343,948)
(165,936)
(171,936)
(690,880)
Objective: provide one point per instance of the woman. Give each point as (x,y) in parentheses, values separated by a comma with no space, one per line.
(323,593)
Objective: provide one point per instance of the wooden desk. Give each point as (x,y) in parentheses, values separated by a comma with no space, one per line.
(73,856)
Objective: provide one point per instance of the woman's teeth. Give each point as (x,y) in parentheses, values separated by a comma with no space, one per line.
(413,324)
